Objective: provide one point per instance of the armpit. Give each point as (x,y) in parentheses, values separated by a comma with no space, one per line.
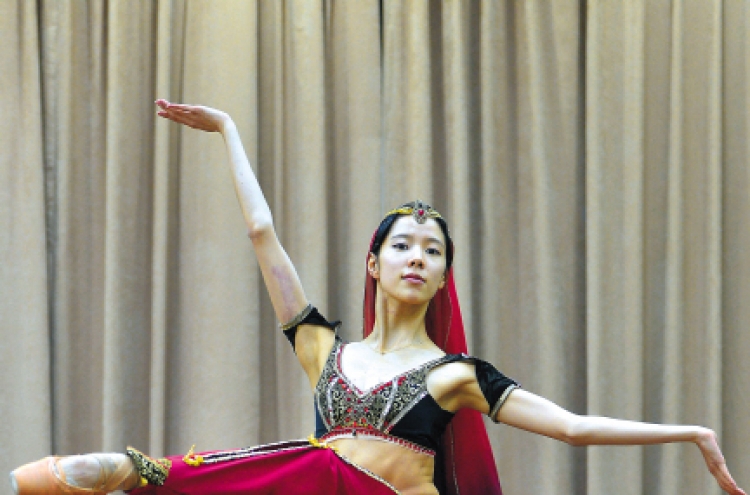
(494,386)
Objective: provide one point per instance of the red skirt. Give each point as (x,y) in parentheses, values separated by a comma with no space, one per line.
(288,468)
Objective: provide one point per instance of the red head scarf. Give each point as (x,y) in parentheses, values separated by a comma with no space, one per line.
(469,463)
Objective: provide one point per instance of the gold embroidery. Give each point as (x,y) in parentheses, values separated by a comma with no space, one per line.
(342,405)
(152,471)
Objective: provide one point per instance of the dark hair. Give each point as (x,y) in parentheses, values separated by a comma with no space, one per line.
(387,223)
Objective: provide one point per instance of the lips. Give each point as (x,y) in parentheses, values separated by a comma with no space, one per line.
(413,277)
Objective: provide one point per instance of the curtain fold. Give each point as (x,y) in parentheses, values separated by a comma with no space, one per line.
(735,228)
(26,403)
(614,233)
(590,158)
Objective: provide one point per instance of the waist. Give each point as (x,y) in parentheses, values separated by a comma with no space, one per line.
(373,434)
(410,472)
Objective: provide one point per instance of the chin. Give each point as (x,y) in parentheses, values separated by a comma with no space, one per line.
(414,301)
(412,298)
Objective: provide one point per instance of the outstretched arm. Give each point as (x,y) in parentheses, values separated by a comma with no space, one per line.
(281,279)
(533,413)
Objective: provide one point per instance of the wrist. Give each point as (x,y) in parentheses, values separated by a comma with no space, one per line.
(702,436)
(226,123)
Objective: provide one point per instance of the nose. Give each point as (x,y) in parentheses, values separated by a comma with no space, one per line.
(416,259)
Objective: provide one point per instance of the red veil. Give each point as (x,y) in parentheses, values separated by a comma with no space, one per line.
(469,463)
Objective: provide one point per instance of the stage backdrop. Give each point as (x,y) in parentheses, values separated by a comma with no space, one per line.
(591,158)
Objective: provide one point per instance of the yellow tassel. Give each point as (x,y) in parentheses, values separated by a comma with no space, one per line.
(192,459)
(321,445)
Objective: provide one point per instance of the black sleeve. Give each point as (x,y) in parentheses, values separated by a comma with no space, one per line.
(495,386)
(308,316)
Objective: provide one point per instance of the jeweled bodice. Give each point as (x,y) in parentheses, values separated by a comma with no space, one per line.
(342,405)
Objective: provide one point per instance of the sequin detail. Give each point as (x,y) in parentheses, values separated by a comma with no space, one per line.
(347,411)
(370,433)
(153,471)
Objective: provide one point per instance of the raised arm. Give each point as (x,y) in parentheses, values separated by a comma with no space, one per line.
(533,413)
(281,279)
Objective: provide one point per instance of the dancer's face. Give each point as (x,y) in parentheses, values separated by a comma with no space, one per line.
(411,264)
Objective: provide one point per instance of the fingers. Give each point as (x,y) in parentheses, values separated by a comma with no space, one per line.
(726,482)
(195,116)
(175,112)
(166,106)
(179,116)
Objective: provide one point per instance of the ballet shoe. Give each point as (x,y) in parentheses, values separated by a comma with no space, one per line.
(40,478)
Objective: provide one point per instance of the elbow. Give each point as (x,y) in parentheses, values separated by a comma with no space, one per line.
(574,432)
(260,229)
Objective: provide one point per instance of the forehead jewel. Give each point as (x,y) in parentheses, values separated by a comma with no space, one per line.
(419,210)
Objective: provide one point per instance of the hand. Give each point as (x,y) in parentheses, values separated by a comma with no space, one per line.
(706,441)
(195,116)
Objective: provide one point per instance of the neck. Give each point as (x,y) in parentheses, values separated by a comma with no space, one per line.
(397,325)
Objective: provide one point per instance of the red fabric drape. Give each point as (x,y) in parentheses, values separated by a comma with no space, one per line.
(286,468)
(469,463)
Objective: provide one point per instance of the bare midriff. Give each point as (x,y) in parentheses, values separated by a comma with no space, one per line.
(408,471)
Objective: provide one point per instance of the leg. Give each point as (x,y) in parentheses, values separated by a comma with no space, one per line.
(93,474)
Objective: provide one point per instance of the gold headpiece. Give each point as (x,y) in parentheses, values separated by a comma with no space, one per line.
(419,210)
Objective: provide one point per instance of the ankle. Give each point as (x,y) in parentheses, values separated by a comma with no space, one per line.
(99,471)
(120,466)
(82,471)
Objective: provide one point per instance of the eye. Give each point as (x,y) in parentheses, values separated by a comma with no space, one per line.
(401,246)
(433,251)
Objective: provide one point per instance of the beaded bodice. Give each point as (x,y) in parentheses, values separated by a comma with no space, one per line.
(341,405)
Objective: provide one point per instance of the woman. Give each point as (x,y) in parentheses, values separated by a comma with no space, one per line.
(387,407)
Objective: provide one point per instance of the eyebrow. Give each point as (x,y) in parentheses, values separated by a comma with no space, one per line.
(409,237)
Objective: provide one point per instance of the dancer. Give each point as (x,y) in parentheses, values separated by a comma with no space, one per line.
(398,412)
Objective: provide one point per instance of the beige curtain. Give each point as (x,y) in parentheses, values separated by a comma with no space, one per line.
(591,158)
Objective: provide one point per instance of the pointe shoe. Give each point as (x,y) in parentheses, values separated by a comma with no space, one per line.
(46,477)
(38,478)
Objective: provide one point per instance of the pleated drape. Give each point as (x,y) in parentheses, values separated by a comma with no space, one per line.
(25,349)
(591,159)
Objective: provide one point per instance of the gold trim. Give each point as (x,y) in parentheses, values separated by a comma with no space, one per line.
(419,210)
(297,319)
(501,401)
(379,436)
(151,471)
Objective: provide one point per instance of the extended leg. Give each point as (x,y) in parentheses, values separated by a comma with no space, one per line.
(92,474)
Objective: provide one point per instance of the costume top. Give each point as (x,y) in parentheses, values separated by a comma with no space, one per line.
(400,410)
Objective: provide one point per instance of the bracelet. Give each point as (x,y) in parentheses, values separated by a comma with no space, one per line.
(297,319)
